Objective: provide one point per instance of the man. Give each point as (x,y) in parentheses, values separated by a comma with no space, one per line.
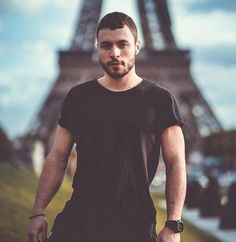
(118,122)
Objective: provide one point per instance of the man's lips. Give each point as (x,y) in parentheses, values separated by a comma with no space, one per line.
(115,63)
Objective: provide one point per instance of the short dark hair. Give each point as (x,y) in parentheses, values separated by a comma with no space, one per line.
(117,20)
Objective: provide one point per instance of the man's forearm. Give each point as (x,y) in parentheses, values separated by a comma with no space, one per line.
(175,189)
(50,181)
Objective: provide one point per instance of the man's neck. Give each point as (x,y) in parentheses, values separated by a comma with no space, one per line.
(122,84)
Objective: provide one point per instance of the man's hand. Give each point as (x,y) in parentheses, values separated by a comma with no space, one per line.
(37,229)
(167,235)
(50,180)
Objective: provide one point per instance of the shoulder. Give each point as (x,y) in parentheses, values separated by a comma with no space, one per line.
(82,86)
(81,89)
(157,89)
(78,92)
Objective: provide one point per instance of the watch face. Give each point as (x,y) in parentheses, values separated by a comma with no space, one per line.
(180,226)
(176,225)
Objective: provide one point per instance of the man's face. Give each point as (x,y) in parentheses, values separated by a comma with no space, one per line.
(117,49)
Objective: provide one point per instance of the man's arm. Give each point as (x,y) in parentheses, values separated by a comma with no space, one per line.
(50,180)
(173,150)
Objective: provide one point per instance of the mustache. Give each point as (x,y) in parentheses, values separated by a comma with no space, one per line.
(115,62)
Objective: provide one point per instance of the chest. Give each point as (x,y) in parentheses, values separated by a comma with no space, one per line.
(132,112)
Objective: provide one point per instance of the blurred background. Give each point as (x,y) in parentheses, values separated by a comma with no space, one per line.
(188,46)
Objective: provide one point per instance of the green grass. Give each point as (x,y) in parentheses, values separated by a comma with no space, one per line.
(17,191)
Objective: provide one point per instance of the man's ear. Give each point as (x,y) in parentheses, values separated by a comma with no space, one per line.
(137,47)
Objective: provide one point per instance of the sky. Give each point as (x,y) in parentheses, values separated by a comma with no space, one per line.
(32,31)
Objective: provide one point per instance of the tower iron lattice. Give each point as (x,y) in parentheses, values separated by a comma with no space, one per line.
(160,60)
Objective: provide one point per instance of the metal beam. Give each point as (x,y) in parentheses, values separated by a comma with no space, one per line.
(165,23)
(84,38)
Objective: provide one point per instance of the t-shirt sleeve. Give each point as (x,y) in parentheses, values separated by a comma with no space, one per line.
(168,112)
(66,113)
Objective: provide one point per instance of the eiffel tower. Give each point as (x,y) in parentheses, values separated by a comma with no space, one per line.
(160,60)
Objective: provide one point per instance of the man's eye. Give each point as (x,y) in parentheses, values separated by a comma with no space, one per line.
(106,46)
(123,45)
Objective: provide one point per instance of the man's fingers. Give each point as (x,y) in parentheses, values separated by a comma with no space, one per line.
(44,235)
(44,232)
(37,231)
(158,239)
(33,236)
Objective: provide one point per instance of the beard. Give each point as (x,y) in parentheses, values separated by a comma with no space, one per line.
(113,71)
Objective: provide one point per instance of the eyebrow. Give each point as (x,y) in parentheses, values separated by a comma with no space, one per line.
(105,42)
(109,42)
(123,41)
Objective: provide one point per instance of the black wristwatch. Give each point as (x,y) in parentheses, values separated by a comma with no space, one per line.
(176,225)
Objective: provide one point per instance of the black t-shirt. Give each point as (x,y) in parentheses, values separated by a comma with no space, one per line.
(117,137)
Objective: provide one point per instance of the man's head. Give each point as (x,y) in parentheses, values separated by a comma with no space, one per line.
(118,20)
(117,44)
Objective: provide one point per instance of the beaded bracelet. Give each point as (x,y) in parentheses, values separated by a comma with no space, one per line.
(37,215)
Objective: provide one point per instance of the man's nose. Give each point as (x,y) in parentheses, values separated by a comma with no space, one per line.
(115,52)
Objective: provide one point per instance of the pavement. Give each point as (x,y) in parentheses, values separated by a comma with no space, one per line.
(208,225)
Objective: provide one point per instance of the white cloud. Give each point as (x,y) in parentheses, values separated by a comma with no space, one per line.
(31,77)
(20,87)
(65,3)
(21,95)
(41,55)
(226,114)
(218,85)
(202,28)
(209,5)
(33,7)
(60,34)
(27,6)
(23,89)
(216,76)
